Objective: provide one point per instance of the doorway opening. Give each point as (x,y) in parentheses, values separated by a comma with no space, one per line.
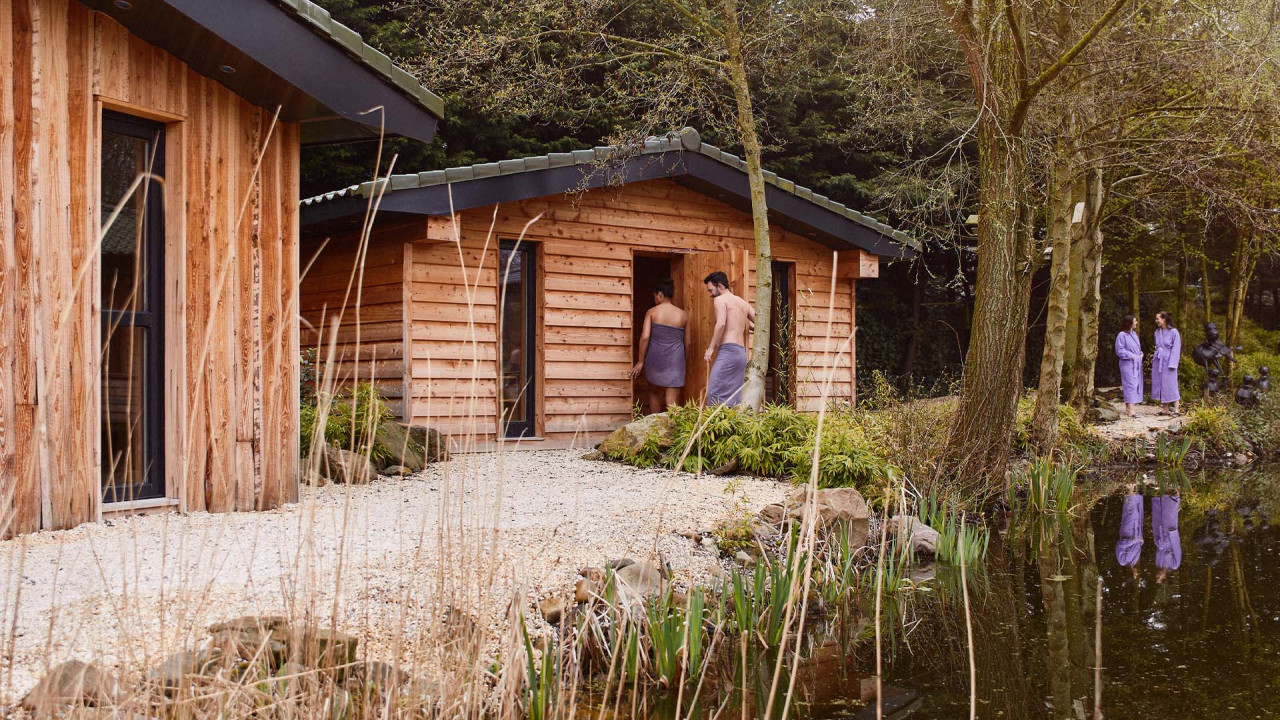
(647,269)
(780,380)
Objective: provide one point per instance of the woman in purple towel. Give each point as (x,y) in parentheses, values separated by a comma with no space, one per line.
(1129,352)
(1164,363)
(1129,544)
(662,343)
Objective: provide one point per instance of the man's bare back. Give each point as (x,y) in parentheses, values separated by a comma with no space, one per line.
(737,314)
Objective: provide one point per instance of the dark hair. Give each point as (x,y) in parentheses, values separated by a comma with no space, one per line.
(1126,323)
(1167,317)
(717,278)
(666,287)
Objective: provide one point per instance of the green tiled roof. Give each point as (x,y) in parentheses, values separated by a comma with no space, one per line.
(350,40)
(687,140)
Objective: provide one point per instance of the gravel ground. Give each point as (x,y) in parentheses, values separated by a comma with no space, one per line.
(1148,420)
(127,593)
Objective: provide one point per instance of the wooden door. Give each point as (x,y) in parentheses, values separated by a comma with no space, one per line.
(702,315)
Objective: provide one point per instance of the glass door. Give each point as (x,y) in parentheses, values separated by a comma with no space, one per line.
(516,327)
(132,353)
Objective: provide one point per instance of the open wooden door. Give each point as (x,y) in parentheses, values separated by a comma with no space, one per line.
(702,315)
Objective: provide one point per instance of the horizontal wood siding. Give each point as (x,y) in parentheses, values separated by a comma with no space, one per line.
(585,246)
(231,263)
(353,312)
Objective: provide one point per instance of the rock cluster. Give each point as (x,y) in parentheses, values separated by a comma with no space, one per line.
(630,438)
(410,448)
(274,656)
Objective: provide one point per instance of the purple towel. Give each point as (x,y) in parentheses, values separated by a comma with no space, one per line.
(664,360)
(1129,544)
(727,375)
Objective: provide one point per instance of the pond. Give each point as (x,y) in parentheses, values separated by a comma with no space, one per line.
(1190,622)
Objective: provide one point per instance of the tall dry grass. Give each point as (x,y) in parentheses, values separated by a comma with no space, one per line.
(430,592)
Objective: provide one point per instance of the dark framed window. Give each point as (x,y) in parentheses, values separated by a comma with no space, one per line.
(517,327)
(132,279)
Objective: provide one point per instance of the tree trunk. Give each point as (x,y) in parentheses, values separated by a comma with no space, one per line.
(1071,349)
(753,391)
(1135,297)
(1204,288)
(982,433)
(913,340)
(1091,300)
(1180,301)
(1242,267)
(1044,423)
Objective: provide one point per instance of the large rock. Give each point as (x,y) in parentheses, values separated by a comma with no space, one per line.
(259,639)
(181,669)
(433,444)
(404,449)
(922,539)
(837,509)
(344,466)
(72,683)
(628,439)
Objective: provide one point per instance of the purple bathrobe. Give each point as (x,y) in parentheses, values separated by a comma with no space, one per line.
(1129,351)
(1164,366)
(1164,528)
(1129,546)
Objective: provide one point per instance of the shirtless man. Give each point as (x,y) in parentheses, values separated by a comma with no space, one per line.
(662,343)
(734,317)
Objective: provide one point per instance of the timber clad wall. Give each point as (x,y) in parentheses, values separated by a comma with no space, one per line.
(231,259)
(585,331)
(368,306)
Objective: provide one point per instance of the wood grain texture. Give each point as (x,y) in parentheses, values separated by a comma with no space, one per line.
(230,245)
(585,246)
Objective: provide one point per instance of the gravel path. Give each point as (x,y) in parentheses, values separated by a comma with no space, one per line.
(129,592)
(1148,421)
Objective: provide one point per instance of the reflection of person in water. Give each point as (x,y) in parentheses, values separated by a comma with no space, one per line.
(1129,546)
(1164,528)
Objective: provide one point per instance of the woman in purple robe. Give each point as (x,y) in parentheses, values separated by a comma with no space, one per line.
(1129,546)
(1164,363)
(1164,529)
(1129,352)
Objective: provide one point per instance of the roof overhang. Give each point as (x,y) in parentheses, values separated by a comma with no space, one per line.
(317,71)
(345,211)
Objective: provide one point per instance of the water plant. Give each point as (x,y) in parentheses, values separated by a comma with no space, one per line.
(1049,486)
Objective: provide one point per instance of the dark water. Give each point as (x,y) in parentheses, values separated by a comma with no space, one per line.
(1198,639)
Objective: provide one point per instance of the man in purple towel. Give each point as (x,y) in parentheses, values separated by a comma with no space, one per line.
(734,317)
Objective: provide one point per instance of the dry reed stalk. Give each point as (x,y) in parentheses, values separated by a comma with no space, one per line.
(968,626)
(884,536)
(1097,654)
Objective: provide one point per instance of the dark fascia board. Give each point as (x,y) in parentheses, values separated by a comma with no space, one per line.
(281,60)
(701,173)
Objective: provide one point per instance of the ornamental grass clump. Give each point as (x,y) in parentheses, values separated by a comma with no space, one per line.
(777,441)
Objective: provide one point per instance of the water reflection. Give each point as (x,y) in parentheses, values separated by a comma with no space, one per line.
(1191,626)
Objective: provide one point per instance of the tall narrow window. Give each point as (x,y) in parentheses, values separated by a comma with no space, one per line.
(132,264)
(516,287)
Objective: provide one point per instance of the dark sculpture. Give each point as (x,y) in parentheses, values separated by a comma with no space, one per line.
(1210,384)
(1247,395)
(1212,350)
(1264,379)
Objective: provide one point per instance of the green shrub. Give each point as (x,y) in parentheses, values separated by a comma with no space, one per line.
(1214,424)
(775,442)
(351,421)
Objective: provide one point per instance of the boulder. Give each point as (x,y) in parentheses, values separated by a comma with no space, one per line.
(637,581)
(1104,414)
(552,609)
(628,439)
(260,639)
(922,539)
(404,450)
(344,466)
(74,682)
(434,446)
(177,670)
(773,514)
(837,508)
(398,470)
(328,649)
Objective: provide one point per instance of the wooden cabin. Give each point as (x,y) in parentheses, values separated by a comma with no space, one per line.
(149,244)
(562,252)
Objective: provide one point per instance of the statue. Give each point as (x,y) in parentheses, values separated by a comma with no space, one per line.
(1210,384)
(1247,395)
(1212,350)
(1264,379)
